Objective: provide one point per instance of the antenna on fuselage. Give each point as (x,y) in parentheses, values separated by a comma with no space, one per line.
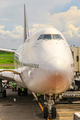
(26,32)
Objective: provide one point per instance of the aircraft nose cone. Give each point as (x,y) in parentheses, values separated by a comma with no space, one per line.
(57,75)
(55,67)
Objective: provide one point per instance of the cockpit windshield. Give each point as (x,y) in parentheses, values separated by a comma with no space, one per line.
(57,36)
(50,36)
(45,36)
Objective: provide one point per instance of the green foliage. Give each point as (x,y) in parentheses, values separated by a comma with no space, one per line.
(5,67)
(6,54)
(6,59)
(2,52)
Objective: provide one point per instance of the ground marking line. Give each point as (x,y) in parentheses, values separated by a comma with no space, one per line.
(64,117)
(69,112)
(40,106)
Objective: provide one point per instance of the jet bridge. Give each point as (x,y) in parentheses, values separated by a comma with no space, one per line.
(76,57)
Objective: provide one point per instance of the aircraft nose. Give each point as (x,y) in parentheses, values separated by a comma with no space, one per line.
(55,67)
(57,72)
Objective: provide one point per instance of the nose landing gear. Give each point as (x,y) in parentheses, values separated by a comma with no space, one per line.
(53,112)
(49,109)
(45,112)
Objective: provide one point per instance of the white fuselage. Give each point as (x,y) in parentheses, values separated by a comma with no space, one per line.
(49,63)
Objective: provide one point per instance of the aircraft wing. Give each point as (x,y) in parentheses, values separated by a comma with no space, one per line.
(8,74)
(7,50)
(12,75)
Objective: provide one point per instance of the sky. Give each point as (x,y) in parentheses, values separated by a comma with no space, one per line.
(63,15)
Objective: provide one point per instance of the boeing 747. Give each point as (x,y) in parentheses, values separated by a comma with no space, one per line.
(43,64)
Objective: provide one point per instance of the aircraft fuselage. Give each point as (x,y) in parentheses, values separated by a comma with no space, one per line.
(48,61)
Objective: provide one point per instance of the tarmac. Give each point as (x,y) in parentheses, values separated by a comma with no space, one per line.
(15,107)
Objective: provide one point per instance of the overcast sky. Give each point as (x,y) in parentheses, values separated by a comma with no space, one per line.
(64,15)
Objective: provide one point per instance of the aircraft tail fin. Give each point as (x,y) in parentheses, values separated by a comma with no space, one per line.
(26,32)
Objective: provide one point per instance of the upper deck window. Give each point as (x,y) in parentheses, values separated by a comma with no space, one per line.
(57,36)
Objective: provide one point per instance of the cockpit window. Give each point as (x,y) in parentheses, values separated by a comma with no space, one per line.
(45,36)
(50,36)
(40,37)
(57,36)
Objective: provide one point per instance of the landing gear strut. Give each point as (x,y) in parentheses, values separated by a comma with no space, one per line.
(26,92)
(4,93)
(19,92)
(49,109)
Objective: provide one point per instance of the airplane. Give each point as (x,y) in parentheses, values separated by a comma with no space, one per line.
(43,64)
